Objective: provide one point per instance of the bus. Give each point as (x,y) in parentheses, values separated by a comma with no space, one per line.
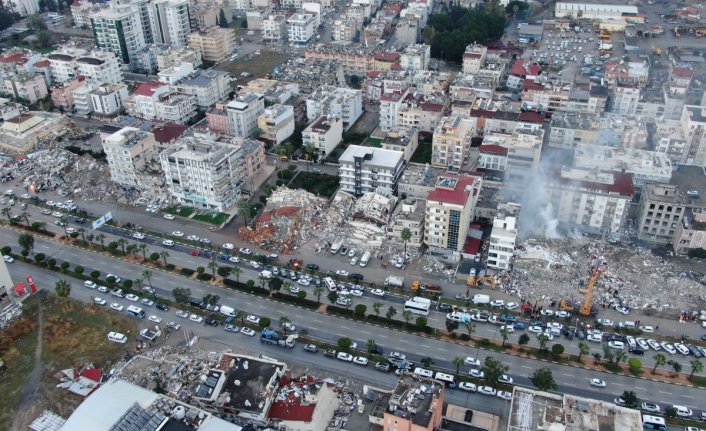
(136,312)
(653,423)
(418,305)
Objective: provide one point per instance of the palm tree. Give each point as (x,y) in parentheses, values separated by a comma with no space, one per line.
(237,271)
(147,274)
(470,328)
(7,211)
(143,248)
(287,285)
(696,367)
(101,237)
(318,290)
(372,345)
(25,216)
(660,360)
(244,210)
(40,225)
(138,282)
(583,349)
(405,235)
(213,266)
(263,281)
(82,231)
(65,225)
(458,362)
(131,248)
(406,316)
(122,242)
(377,307)
(309,152)
(543,339)
(504,332)
(283,320)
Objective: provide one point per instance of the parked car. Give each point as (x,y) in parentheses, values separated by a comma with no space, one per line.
(487,390)
(311,348)
(467,386)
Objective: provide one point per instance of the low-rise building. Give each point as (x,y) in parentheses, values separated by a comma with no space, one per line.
(176,73)
(416,57)
(62,95)
(405,139)
(301,28)
(353,60)
(209,87)
(168,57)
(215,43)
(644,166)
(303,404)
(243,112)
(503,236)
(141,102)
(274,29)
(324,133)
(107,99)
(217,119)
(128,153)
(175,107)
(415,404)
(276,123)
(473,58)
(364,169)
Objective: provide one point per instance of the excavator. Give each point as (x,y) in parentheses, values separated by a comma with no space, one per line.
(476,281)
(596,272)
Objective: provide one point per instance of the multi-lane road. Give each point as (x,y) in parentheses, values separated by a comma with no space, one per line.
(570,380)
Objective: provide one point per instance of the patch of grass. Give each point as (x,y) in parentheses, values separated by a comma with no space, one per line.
(698,381)
(375,142)
(318,184)
(422,153)
(180,211)
(258,65)
(211,217)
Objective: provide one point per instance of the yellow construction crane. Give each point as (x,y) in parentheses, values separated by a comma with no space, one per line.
(586,305)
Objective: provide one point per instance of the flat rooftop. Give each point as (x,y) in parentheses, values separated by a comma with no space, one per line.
(689,179)
(249,381)
(642,163)
(372,156)
(412,397)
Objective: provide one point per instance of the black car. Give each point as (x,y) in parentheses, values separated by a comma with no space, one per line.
(444,307)
(211,322)
(637,350)
(312,266)
(356,276)
(162,307)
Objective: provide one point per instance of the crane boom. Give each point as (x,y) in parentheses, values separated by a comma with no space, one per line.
(586,305)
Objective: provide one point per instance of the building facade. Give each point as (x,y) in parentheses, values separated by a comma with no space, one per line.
(503,237)
(128,152)
(325,133)
(364,169)
(243,112)
(301,28)
(209,87)
(215,43)
(276,123)
(119,30)
(451,143)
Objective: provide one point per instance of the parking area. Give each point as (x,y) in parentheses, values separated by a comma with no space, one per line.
(562,52)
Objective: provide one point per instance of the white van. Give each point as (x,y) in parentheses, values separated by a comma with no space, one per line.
(330,284)
(117,337)
(446,378)
(422,372)
(265,273)
(627,324)
(682,411)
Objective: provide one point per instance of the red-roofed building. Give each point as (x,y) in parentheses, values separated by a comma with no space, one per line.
(385,60)
(681,76)
(303,404)
(166,133)
(449,212)
(522,70)
(142,102)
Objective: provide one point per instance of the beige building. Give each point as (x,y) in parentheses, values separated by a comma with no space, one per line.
(27,86)
(276,123)
(451,143)
(128,152)
(473,58)
(174,56)
(408,214)
(175,107)
(691,232)
(405,139)
(215,43)
(274,29)
(661,210)
(254,162)
(324,133)
(449,212)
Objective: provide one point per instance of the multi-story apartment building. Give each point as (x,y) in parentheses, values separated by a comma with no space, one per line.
(253,160)
(243,112)
(660,212)
(108,99)
(128,152)
(276,123)
(405,139)
(62,95)
(691,232)
(217,119)
(24,7)
(204,173)
(516,155)
(391,103)
(408,214)
(174,56)
(449,213)
(325,133)
(345,29)
(171,19)
(274,29)
(215,43)
(175,107)
(451,143)
(328,100)
(119,30)
(96,66)
(301,28)
(141,102)
(693,121)
(503,236)
(590,200)
(549,98)
(625,99)
(670,140)
(209,87)
(473,58)
(364,169)
(353,61)
(412,395)
(644,165)
(26,86)
(416,57)
(82,98)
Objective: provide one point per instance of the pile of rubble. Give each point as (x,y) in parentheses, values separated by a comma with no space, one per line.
(552,270)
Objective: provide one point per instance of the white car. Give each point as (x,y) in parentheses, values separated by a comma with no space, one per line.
(99,301)
(509,328)
(205,241)
(548,313)
(505,379)
(378,292)
(647,328)
(89,284)
(169,216)
(535,329)
(228,246)
(183,314)
(605,322)
(196,318)
(251,318)
(473,362)
(116,279)
(650,407)
(505,395)
(511,305)
(352,252)
(295,289)
(642,343)
(354,261)
(102,289)
(234,259)
(147,289)
(154,318)
(467,386)
(594,338)
(478,374)
(193,238)
(486,390)
(342,273)
(668,347)
(178,233)
(245,250)
(359,360)
(343,356)
(138,235)
(563,314)
(617,345)
(117,307)
(654,344)
(57,214)
(497,303)
(255,265)
(247,331)
(46,211)
(622,309)
(303,281)
(168,243)
(682,349)
(132,297)
(597,382)
(147,302)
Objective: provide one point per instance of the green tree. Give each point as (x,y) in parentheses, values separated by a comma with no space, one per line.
(25,216)
(670,412)
(244,210)
(318,290)
(147,275)
(262,280)
(64,266)
(660,360)
(224,271)
(101,237)
(222,20)
(583,349)
(427,361)
(557,350)
(377,306)
(122,242)
(543,339)
(332,297)
(213,266)
(237,271)
(457,363)
(143,248)
(131,248)
(36,22)
(696,367)
(63,288)
(421,323)
(344,343)
(275,284)
(264,322)
(165,254)
(470,328)
(360,310)
(283,321)
(7,211)
(82,232)
(391,312)
(451,325)
(630,399)
(676,366)
(287,286)
(523,340)
(26,241)
(310,152)
(543,380)
(406,316)
(405,235)
(504,333)
(635,365)
(493,370)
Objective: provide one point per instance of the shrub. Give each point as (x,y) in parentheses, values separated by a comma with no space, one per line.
(79,269)
(127,284)
(264,322)
(51,262)
(360,310)
(635,365)
(200,270)
(65,266)
(464,337)
(557,349)
(6,250)
(95,274)
(39,257)
(205,277)
(170,266)
(187,271)
(154,257)
(73,235)
(344,343)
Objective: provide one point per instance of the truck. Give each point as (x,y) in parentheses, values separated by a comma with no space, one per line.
(481,299)
(336,245)
(395,281)
(228,311)
(149,335)
(274,338)
(364,259)
(429,289)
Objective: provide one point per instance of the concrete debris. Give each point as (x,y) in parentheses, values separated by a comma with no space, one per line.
(552,270)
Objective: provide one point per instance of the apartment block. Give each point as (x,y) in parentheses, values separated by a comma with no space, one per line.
(209,87)
(345,29)
(670,140)
(391,103)
(693,121)
(26,86)
(515,156)
(691,232)
(175,107)
(274,29)
(503,236)
(203,173)
(276,123)
(325,133)
(451,143)
(107,99)
(301,28)
(404,139)
(174,56)
(128,152)
(217,119)
(172,22)
(62,95)
(215,43)
(253,160)
(364,169)
(243,112)
(644,166)
(119,30)
(416,57)
(353,61)
(449,213)
(96,66)
(24,7)
(142,101)
(408,214)
(660,212)
(328,100)
(625,99)
(473,58)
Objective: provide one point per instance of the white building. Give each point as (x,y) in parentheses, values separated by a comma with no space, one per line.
(171,22)
(172,75)
(325,133)
(693,121)
(364,169)
(594,11)
(95,66)
(243,112)
(274,29)
(142,101)
(203,173)
(24,7)
(108,99)
(82,98)
(451,142)
(473,58)
(301,28)
(328,100)
(503,236)
(416,57)
(209,87)
(643,165)
(175,107)
(128,151)
(119,30)
(625,99)
(276,123)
